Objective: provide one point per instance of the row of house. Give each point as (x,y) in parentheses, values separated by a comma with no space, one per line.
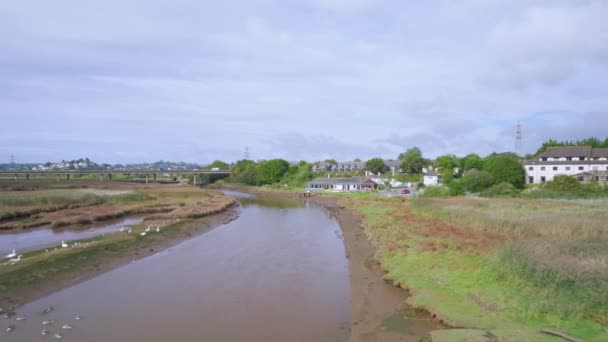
(583,162)
(353,166)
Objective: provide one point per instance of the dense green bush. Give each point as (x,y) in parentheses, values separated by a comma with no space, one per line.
(505,168)
(477,181)
(564,183)
(456,188)
(271,171)
(503,189)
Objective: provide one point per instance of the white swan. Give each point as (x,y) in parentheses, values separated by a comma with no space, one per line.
(16,260)
(157,229)
(64,245)
(12,255)
(122,229)
(143,234)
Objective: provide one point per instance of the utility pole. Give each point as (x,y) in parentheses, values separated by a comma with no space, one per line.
(12,162)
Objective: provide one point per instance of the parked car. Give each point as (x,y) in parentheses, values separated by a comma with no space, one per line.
(405,191)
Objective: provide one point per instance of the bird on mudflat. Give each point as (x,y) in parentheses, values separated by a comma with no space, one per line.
(66,326)
(44,332)
(49,322)
(64,245)
(20,318)
(58,336)
(12,254)
(16,260)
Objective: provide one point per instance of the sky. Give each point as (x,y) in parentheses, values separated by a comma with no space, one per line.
(193,80)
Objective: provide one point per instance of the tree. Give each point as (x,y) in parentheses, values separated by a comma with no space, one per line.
(244,172)
(331,161)
(446,164)
(357,160)
(219,164)
(375,165)
(271,171)
(477,181)
(412,161)
(505,167)
(472,161)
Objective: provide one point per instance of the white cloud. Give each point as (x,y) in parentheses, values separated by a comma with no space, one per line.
(547,45)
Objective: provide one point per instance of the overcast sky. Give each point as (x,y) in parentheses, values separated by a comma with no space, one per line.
(195,80)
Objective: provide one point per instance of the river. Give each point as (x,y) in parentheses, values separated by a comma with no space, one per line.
(277,273)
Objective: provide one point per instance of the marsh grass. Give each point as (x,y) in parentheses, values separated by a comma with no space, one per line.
(510,266)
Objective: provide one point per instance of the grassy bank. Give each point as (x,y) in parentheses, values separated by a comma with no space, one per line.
(508,267)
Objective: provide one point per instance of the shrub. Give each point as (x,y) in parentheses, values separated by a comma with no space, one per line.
(477,181)
(456,188)
(506,168)
(564,183)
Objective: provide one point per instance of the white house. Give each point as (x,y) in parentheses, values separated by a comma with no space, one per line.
(567,160)
(430,178)
(341,184)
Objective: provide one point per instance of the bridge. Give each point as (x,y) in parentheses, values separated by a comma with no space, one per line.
(103,173)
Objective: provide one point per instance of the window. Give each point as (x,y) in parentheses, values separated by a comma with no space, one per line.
(542,179)
(567,168)
(531,168)
(581,168)
(555,168)
(530,179)
(542,168)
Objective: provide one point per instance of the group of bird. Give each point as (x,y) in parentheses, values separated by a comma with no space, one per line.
(12,260)
(47,323)
(149,228)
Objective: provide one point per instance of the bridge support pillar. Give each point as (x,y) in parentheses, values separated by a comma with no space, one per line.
(194,180)
(154,178)
(147,179)
(16,176)
(27,176)
(101,178)
(58,177)
(67,176)
(109,177)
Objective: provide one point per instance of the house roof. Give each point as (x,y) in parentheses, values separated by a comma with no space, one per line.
(431,173)
(332,181)
(567,151)
(599,153)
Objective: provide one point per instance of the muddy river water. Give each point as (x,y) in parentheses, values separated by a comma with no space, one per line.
(277,273)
